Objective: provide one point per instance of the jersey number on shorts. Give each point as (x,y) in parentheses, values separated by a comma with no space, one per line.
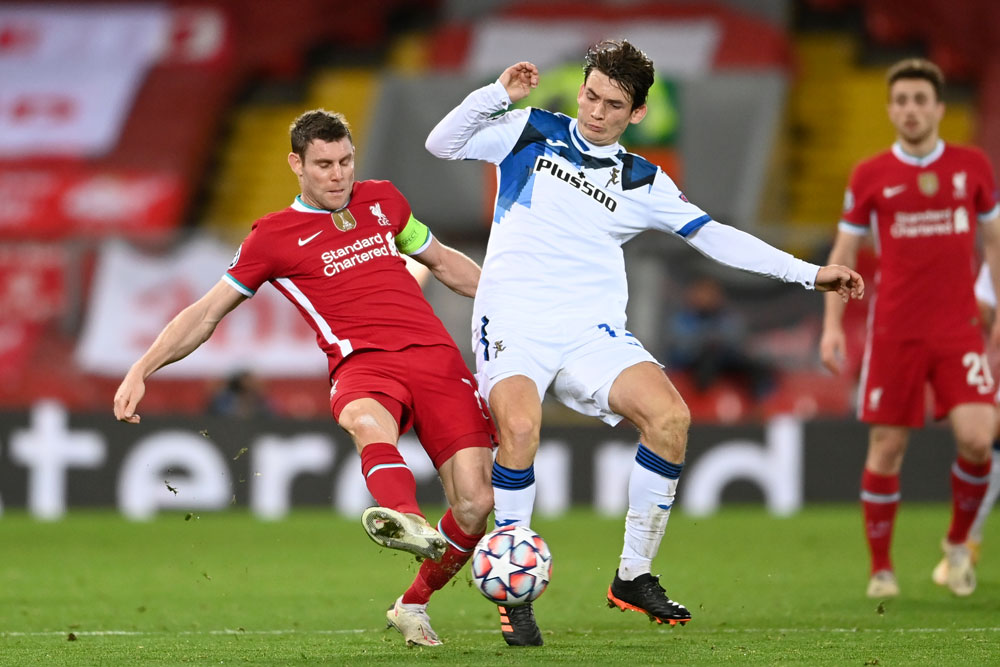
(979,372)
(614,334)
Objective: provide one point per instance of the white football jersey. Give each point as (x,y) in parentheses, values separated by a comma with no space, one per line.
(565,207)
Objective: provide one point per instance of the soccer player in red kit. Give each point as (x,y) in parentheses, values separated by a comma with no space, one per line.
(922,201)
(335,253)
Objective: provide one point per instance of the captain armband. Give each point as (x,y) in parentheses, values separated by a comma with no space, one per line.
(414,237)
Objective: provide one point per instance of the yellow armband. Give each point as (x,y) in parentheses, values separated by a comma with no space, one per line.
(414,237)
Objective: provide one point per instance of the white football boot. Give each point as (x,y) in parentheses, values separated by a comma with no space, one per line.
(412,622)
(960,571)
(883,584)
(406,532)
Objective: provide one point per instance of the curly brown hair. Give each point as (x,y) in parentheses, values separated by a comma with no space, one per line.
(624,64)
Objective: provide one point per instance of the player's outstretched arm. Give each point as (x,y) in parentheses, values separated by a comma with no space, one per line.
(182,336)
(455,270)
(519,80)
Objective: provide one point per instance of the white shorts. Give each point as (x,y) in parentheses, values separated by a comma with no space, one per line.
(579,363)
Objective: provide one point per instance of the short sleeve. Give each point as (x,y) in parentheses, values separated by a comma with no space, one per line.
(986,196)
(856,215)
(252,265)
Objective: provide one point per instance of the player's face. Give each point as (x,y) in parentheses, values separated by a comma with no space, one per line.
(605,110)
(914,110)
(326,173)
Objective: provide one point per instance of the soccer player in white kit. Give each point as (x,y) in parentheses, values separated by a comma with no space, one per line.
(550,308)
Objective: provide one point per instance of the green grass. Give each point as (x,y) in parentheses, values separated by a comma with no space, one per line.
(312,589)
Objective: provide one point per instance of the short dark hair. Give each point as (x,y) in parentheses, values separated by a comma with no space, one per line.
(318,124)
(917,68)
(624,64)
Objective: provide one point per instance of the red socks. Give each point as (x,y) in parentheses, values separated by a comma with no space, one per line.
(392,485)
(969,482)
(388,478)
(879,501)
(433,576)
(880,498)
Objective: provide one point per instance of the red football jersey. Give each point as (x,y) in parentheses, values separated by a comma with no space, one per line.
(343,272)
(923,214)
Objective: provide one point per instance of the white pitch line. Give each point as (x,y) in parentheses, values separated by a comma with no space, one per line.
(358,631)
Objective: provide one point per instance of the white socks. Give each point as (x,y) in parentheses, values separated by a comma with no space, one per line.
(650,497)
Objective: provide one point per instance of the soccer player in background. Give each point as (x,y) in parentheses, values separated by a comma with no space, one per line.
(987,300)
(922,201)
(550,309)
(337,254)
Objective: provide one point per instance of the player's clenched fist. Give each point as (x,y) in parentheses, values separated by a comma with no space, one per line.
(842,280)
(519,79)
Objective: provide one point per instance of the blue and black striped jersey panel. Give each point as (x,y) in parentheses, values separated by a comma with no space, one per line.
(637,171)
(548,133)
(516,173)
(545,133)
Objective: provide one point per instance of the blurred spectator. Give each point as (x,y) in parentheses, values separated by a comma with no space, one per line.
(242,396)
(707,339)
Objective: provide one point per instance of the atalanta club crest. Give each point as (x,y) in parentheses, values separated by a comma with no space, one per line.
(343,220)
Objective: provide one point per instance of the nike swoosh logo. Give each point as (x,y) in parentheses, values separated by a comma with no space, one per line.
(889,193)
(556,143)
(306,240)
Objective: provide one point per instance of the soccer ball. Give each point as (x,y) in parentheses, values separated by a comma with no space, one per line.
(511,566)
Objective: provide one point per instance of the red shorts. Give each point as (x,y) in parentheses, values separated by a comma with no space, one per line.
(895,373)
(427,387)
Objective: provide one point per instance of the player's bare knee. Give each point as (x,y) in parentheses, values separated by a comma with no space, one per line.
(975,448)
(885,452)
(362,425)
(669,424)
(519,431)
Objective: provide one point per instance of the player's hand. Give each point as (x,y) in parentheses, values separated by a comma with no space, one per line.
(129,393)
(833,349)
(519,79)
(846,282)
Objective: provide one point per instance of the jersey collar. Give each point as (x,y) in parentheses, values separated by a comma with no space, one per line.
(303,207)
(585,146)
(906,158)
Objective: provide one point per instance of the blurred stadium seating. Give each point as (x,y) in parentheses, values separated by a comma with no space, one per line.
(770,120)
(60,203)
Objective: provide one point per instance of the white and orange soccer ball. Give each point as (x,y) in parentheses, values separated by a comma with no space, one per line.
(511,566)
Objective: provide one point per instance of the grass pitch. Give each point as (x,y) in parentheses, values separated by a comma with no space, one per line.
(312,589)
